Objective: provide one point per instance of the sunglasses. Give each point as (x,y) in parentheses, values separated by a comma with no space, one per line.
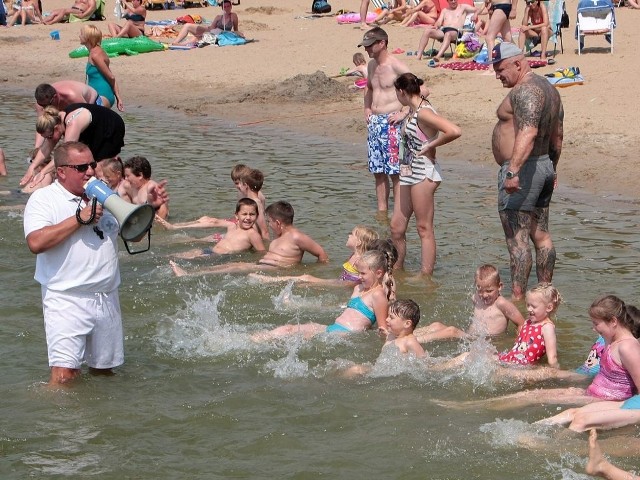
(83,167)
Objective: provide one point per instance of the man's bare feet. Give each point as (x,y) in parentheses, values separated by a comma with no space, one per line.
(178,271)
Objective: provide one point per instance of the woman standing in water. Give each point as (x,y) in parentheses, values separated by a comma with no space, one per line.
(422,132)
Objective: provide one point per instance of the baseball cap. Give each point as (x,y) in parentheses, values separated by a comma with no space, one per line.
(503,51)
(372,36)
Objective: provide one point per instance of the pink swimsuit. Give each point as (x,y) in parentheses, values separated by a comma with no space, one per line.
(529,347)
(613,381)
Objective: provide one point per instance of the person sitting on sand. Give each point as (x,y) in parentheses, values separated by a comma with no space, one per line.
(135,16)
(227,22)
(360,66)
(27,13)
(447,29)
(81,9)
(241,235)
(424,13)
(535,26)
(286,250)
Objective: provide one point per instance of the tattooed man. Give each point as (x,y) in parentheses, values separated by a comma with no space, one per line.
(526,143)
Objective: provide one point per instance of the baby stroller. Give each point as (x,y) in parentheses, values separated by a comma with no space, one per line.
(595,17)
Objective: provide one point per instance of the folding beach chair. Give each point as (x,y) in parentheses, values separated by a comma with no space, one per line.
(595,17)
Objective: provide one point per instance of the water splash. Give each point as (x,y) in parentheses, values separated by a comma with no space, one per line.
(510,433)
(290,366)
(287,300)
(198,330)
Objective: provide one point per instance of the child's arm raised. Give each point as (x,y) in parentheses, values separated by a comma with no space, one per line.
(549,335)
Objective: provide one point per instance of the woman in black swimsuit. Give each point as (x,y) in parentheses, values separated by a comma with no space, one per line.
(135,15)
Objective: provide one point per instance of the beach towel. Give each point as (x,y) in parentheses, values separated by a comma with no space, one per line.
(565,77)
(482,66)
(229,38)
(97,15)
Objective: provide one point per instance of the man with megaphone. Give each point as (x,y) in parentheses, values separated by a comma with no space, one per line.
(75,240)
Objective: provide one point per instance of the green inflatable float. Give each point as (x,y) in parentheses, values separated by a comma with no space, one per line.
(118,46)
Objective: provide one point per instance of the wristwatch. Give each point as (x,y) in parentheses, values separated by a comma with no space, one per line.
(510,174)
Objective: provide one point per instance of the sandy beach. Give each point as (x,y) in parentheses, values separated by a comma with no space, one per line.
(282,78)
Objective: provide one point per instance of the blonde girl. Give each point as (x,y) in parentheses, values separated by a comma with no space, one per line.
(99,74)
(368,305)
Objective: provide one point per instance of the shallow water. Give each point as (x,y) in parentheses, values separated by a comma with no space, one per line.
(197,399)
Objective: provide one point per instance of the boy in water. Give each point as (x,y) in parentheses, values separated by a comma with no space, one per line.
(403,318)
(286,250)
(249,182)
(240,236)
(138,183)
(491,311)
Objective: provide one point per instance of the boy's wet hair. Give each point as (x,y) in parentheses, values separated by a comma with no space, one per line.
(609,307)
(488,272)
(246,202)
(139,166)
(407,310)
(281,211)
(253,177)
(239,172)
(549,293)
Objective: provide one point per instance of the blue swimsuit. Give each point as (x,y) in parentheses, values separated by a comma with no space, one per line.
(357,304)
(96,80)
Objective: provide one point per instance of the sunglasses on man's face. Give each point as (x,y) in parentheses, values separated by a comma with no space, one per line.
(83,167)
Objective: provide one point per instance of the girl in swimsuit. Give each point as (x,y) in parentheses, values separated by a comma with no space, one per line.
(422,132)
(359,241)
(368,305)
(99,75)
(227,22)
(135,15)
(617,381)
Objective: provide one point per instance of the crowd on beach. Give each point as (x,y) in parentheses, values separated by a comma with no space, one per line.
(65,229)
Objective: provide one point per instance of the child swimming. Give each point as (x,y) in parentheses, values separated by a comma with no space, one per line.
(369,303)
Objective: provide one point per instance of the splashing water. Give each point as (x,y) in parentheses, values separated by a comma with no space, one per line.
(198,330)
(290,366)
(287,300)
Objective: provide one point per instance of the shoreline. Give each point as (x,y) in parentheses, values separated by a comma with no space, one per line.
(283,81)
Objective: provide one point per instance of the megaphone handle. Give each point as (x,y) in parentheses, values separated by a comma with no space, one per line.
(94,202)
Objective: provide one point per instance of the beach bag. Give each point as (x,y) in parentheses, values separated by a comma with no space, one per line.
(320,6)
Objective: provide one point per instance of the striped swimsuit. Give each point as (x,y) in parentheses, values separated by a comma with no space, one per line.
(413,140)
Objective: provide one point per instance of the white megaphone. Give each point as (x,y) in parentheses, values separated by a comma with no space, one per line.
(134,220)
